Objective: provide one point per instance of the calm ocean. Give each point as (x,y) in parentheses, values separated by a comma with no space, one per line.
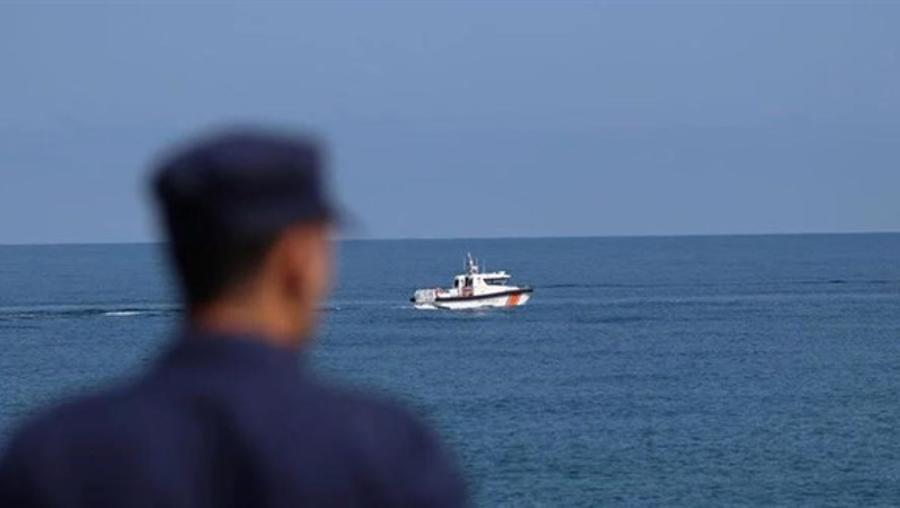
(664,371)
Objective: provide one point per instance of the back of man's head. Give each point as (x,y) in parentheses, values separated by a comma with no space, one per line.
(227,199)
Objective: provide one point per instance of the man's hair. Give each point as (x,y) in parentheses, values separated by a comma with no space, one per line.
(209,268)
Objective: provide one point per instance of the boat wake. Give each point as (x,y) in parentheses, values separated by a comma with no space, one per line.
(63,311)
(124,313)
(66,311)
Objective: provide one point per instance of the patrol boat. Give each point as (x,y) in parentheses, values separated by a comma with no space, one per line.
(472,290)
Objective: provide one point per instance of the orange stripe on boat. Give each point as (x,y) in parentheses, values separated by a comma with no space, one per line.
(513,300)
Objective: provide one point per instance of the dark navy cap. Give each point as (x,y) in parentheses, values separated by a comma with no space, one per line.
(243,183)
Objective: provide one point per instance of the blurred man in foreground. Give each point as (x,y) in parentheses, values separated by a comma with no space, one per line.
(227,418)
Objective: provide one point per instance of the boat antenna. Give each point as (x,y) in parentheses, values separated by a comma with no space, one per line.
(471,264)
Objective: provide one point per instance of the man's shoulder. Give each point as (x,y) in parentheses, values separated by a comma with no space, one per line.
(46,455)
(346,398)
(98,414)
(401,455)
(365,415)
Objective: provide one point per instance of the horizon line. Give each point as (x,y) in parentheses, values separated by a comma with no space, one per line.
(462,238)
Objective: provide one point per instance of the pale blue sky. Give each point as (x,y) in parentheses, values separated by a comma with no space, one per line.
(469,119)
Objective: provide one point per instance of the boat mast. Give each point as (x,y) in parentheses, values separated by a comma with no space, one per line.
(471,265)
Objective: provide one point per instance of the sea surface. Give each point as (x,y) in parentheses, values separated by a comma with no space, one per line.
(691,371)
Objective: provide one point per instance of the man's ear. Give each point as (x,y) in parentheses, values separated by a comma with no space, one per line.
(292,253)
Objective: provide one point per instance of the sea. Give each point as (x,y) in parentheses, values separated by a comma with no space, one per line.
(663,371)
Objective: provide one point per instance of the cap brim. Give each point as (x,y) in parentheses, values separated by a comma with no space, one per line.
(342,220)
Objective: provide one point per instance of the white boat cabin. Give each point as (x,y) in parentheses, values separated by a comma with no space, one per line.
(473,282)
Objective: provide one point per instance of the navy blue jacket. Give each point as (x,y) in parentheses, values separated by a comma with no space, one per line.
(227,422)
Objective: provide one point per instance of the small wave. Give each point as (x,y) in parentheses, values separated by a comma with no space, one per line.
(848,281)
(621,320)
(120,313)
(611,320)
(586,286)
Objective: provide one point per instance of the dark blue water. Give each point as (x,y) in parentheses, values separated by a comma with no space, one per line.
(664,371)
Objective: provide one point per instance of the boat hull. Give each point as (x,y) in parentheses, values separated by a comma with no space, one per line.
(505,299)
